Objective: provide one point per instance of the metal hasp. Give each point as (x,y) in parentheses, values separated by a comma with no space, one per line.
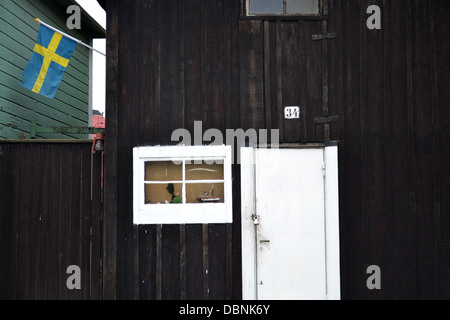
(324,36)
(324,120)
(64,130)
(255,219)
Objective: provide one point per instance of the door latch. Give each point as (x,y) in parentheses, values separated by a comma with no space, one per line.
(255,219)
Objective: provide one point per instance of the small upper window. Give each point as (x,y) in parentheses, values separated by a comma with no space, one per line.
(283,7)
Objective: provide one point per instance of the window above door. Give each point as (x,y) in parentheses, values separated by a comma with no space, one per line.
(284,7)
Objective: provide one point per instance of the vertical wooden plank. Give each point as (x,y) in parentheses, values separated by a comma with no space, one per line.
(364,144)
(85,223)
(292,88)
(267,78)
(127,260)
(33,216)
(252,74)
(325,80)
(335,65)
(170,262)
(183,275)
(279,80)
(194,64)
(314,80)
(353,251)
(65,230)
(125,229)
(442,29)
(231,60)
(425,229)
(96,225)
(218,254)
(229,262)
(147,263)
(15,165)
(6,219)
(4,241)
(43,222)
(126,241)
(303,38)
(181,59)
(435,143)
(215,63)
(411,147)
(205,247)
(159,265)
(170,117)
(234,7)
(148,81)
(399,218)
(54,222)
(74,243)
(194,262)
(109,282)
(128,89)
(336,60)
(233,121)
(23,238)
(270,74)
(236,235)
(375,198)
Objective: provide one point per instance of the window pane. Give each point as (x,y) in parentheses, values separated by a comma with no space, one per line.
(163,171)
(163,193)
(205,193)
(266,6)
(302,6)
(204,171)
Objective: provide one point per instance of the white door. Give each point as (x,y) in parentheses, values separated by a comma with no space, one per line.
(290,256)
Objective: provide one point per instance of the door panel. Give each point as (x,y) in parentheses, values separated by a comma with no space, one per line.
(290,239)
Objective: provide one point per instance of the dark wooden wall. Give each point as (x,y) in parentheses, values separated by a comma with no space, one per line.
(393,133)
(174,62)
(50,219)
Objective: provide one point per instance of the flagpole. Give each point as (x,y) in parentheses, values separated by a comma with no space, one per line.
(67,36)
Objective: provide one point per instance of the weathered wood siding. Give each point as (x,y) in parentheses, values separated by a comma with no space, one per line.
(174,62)
(50,219)
(18,105)
(393,133)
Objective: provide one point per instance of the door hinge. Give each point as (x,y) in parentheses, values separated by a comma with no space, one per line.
(324,169)
(324,36)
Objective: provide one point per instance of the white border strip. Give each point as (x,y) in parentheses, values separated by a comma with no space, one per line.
(332,223)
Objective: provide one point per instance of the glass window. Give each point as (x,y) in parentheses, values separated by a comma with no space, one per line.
(204,171)
(266,6)
(163,171)
(283,7)
(186,182)
(182,185)
(302,6)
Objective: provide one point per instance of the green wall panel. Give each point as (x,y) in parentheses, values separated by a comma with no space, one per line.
(18,106)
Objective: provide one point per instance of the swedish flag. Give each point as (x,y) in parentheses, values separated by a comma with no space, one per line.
(48,63)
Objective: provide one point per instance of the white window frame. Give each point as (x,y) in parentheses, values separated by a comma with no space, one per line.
(184,213)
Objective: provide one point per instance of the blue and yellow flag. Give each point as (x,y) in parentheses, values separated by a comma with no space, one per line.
(48,63)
